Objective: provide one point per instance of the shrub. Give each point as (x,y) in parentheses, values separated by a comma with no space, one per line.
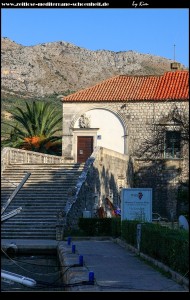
(100,226)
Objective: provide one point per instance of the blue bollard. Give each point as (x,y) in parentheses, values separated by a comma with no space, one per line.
(69,240)
(80,260)
(73,248)
(91,277)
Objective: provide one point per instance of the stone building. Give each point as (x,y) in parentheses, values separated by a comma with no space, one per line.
(142,117)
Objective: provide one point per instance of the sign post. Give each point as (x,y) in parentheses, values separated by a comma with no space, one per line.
(139,226)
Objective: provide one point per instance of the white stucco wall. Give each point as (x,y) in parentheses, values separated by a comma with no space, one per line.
(110,130)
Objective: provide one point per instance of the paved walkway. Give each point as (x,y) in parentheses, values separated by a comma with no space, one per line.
(118,269)
(115,268)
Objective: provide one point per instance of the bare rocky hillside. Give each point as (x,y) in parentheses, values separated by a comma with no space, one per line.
(59,67)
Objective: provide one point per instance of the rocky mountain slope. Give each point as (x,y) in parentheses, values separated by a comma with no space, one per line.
(59,67)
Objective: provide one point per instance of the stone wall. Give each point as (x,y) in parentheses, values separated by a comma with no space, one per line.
(17,156)
(137,118)
(164,176)
(106,176)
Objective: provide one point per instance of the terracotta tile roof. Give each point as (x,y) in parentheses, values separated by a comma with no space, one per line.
(170,86)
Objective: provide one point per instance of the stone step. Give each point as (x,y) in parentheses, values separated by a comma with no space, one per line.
(36,197)
(27,229)
(26,201)
(34,168)
(42,180)
(39,190)
(55,167)
(60,203)
(31,217)
(34,215)
(36,231)
(29,223)
(35,218)
(36,236)
(38,174)
(26,219)
(36,181)
(25,234)
(32,235)
(33,224)
(37,194)
(29,201)
(32,200)
(35,205)
(42,196)
(31,210)
(38,187)
(41,201)
(47,174)
(45,164)
(31,213)
(42,193)
(25,168)
(42,186)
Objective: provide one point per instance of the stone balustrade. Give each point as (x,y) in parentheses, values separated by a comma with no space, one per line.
(17,156)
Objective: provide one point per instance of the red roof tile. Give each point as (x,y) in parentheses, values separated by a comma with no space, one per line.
(170,86)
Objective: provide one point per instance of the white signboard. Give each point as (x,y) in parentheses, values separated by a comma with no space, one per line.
(136,204)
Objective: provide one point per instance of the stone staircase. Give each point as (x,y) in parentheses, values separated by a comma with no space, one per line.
(41,198)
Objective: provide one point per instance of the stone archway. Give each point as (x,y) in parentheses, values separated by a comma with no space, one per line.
(107,126)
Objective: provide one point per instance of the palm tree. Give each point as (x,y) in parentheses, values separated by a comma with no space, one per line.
(35,128)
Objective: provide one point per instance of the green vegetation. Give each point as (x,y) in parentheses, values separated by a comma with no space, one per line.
(9,100)
(169,246)
(183,201)
(100,226)
(10,136)
(36,126)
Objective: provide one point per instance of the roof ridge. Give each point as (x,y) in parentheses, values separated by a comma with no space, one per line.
(130,75)
(98,83)
(177,71)
(111,78)
(123,87)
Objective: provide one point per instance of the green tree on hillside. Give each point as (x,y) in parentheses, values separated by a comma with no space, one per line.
(36,127)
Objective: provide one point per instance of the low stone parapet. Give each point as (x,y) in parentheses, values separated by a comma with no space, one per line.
(74,275)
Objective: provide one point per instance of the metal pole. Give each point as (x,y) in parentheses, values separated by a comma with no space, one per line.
(9,276)
(15,192)
(11,214)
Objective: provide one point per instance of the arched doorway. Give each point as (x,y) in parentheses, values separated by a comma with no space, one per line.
(103,128)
